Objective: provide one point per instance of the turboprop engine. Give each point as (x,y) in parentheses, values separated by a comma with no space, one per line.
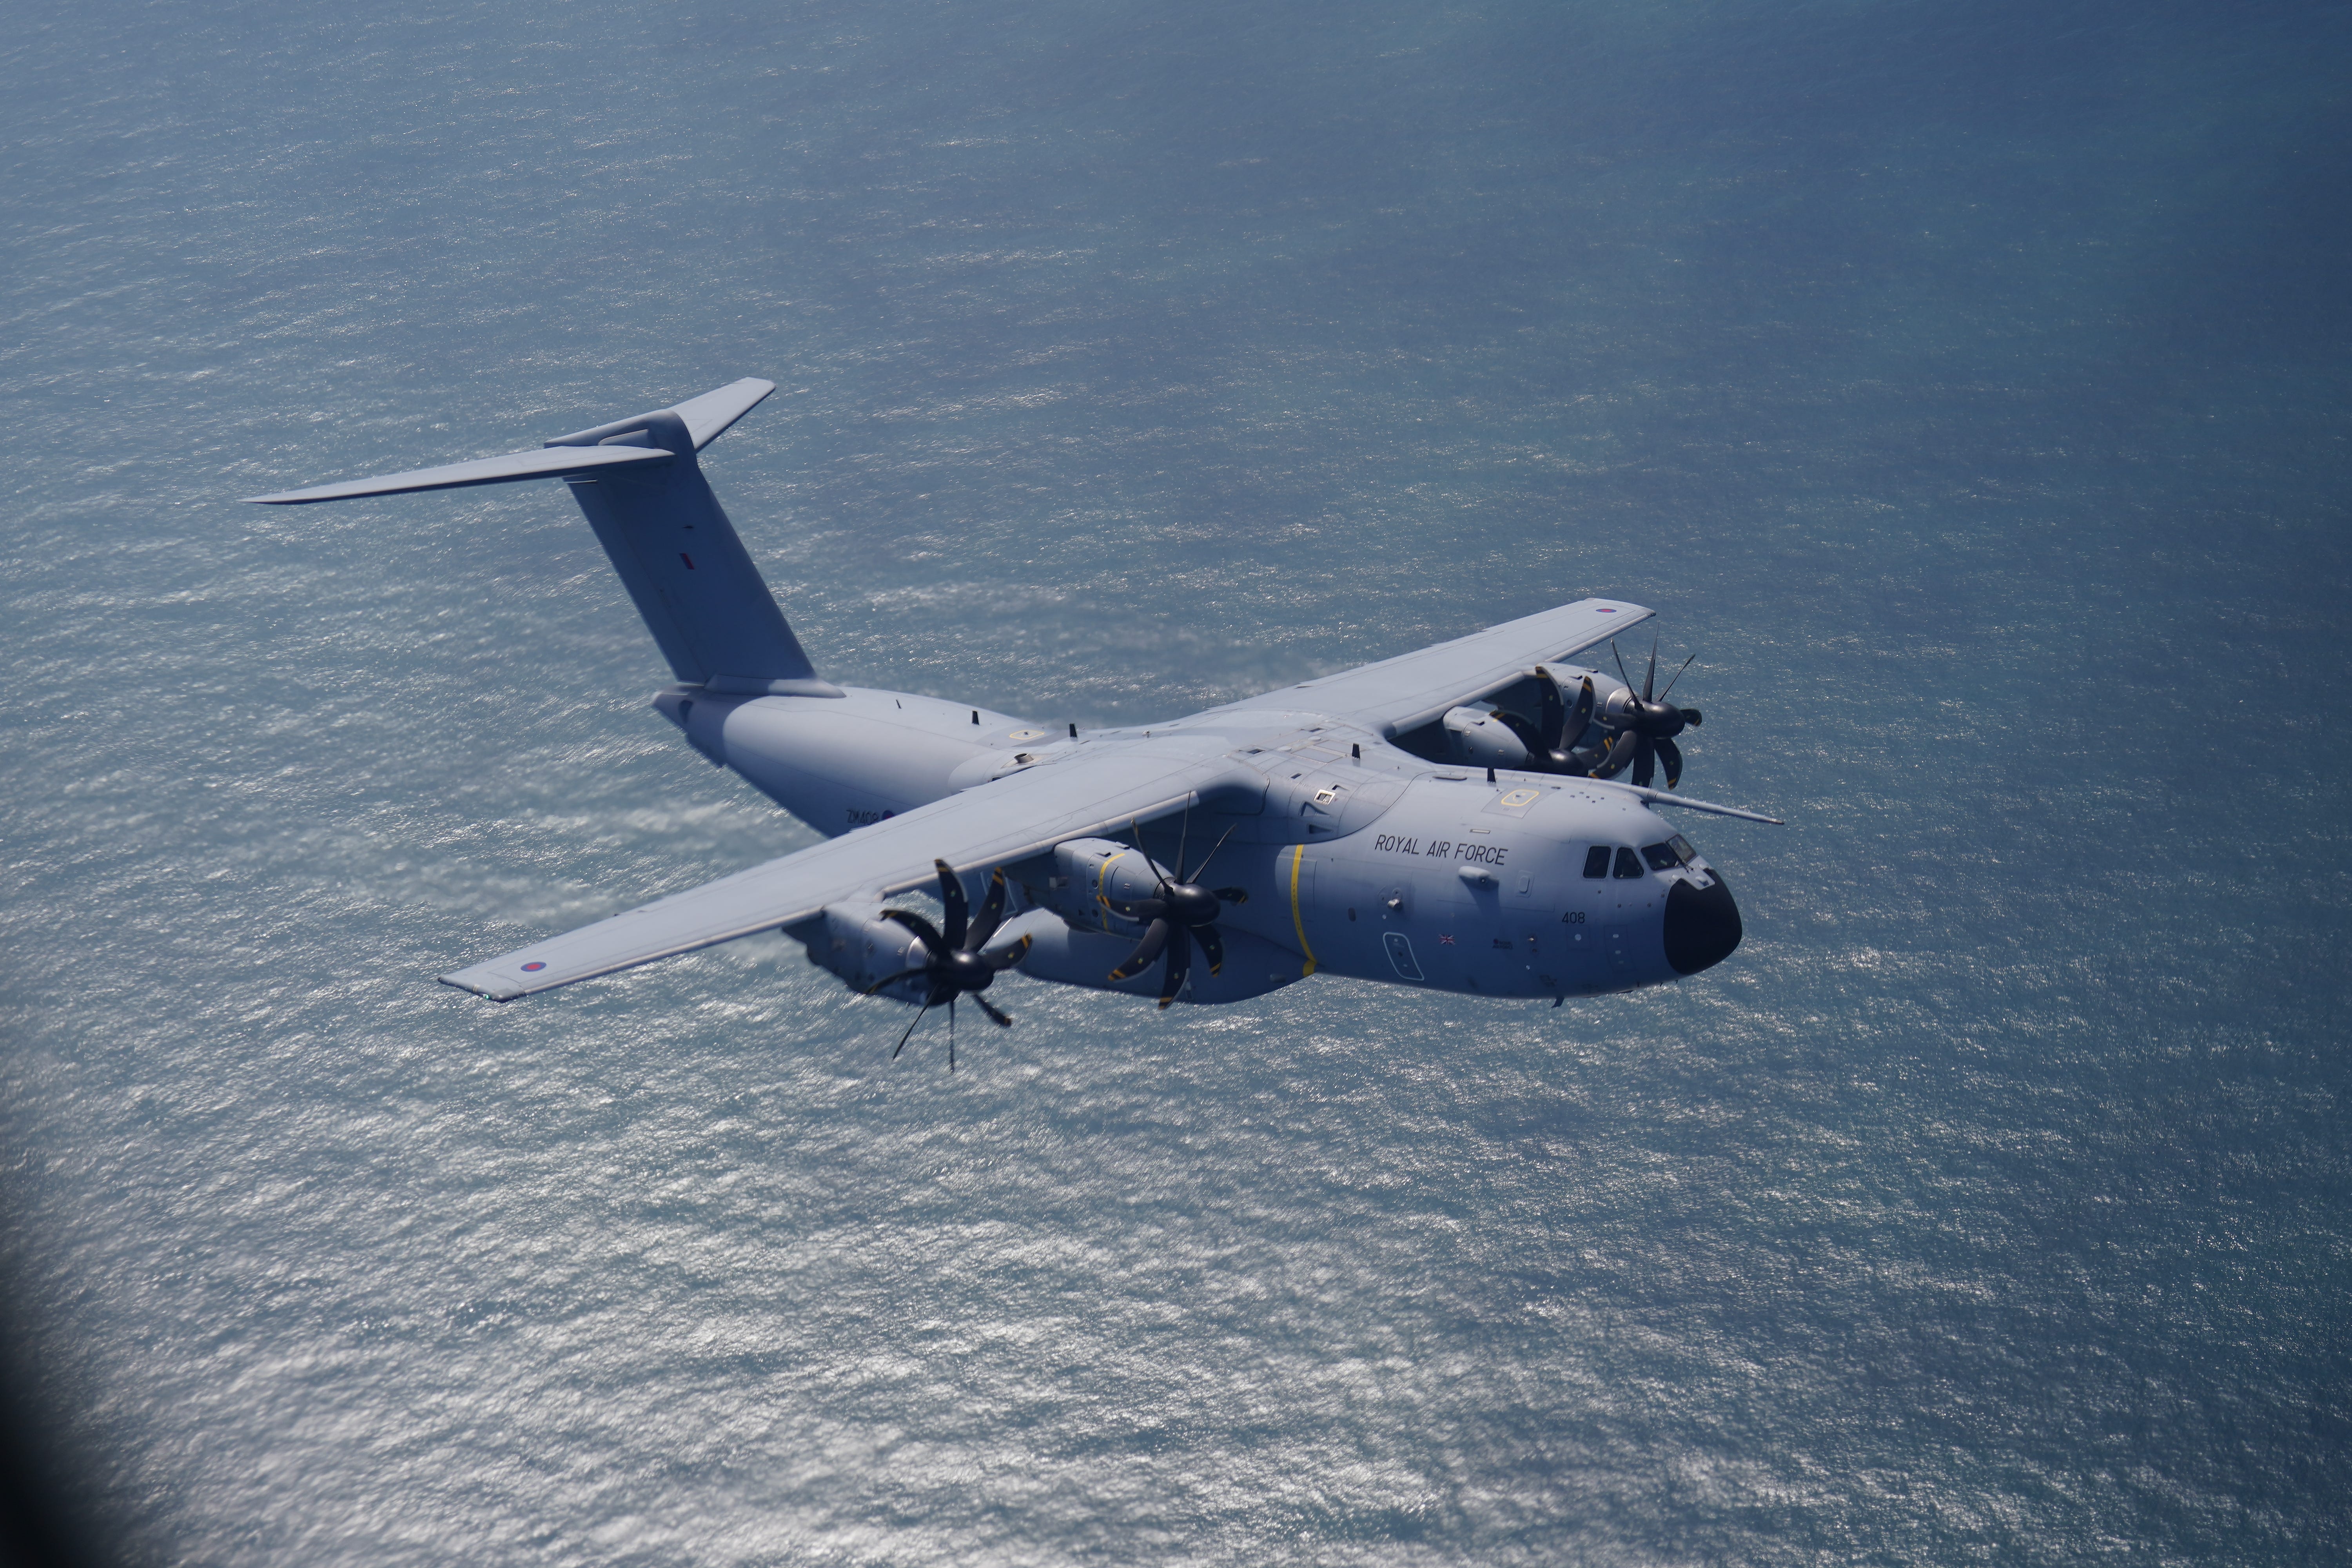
(1572,706)
(1094,882)
(899,954)
(856,944)
(1107,915)
(1565,703)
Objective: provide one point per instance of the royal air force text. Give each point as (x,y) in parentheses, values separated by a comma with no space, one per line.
(1444,848)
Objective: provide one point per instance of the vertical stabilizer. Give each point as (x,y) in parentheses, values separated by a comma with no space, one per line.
(689,575)
(641,488)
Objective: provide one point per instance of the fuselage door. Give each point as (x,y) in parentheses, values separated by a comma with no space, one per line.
(1585,905)
(1401,958)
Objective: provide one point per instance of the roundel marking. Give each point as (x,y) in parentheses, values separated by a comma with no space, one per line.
(534,967)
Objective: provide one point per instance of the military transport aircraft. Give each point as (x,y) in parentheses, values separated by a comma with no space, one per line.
(1448,818)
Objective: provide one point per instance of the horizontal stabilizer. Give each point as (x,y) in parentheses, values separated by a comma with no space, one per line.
(706,418)
(542,463)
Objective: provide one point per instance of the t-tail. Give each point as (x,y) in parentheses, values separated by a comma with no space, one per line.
(641,485)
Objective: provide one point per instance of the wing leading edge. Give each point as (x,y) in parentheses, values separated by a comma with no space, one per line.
(1396,694)
(993,825)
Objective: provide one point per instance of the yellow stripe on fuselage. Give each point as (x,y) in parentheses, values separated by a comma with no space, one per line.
(1298,921)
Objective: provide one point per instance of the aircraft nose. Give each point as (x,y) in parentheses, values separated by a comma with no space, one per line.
(1701,925)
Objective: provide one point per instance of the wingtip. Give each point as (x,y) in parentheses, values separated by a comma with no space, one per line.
(459,982)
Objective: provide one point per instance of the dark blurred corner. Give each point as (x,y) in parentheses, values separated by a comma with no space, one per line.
(48,1489)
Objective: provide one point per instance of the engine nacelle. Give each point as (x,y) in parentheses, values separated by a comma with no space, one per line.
(1089,876)
(1252,965)
(1476,737)
(1482,741)
(864,948)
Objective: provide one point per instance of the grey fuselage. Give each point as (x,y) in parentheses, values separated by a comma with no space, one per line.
(1357,857)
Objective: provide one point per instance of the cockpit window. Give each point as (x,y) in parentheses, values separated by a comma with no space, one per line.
(1683,849)
(1661,857)
(1627,863)
(1596,860)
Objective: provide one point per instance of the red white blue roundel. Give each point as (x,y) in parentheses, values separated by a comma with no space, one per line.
(534,967)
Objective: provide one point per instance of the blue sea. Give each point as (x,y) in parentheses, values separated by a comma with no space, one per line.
(1966,384)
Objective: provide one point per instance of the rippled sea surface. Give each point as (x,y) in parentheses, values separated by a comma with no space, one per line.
(1966,384)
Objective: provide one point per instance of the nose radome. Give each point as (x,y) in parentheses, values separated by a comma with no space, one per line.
(1701,925)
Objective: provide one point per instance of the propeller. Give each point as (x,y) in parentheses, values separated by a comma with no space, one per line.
(1642,728)
(1550,739)
(1181,914)
(952,963)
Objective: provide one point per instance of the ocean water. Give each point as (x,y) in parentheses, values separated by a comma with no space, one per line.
(1965,384)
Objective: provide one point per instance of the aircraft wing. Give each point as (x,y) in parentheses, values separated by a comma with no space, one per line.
(991,825)
(1396,694)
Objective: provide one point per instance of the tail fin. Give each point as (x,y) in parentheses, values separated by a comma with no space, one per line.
(679,556)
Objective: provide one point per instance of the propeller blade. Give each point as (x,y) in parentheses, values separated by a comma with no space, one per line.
(1211,855)
(1579,716)
(1652,679)
(1002,1020)
(1155,937)
(1001,961)
(911,1031)
(1621,751)
(1179,964)
(1212,947)
(1528,735)
(959,909)
(991,913)
(1135,836)
(902,974)
(1679,675)
(925,932)
(1183,837)
(1549,729)
(1621,662)
(950,1033)
(1645,760)
(1672,755)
